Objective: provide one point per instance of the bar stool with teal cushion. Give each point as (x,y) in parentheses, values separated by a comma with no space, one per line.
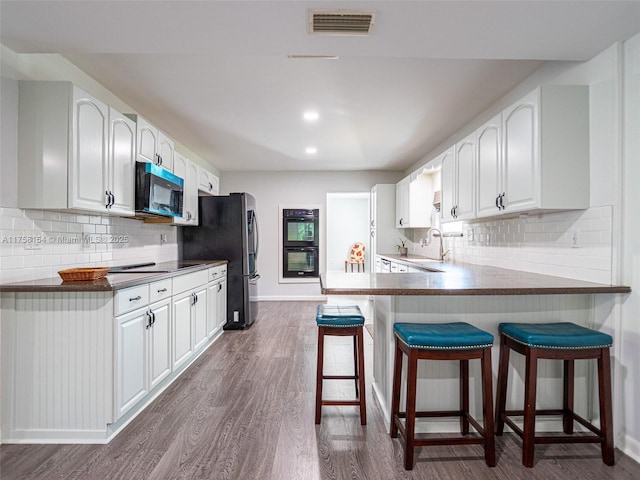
(559,341)
(341,320)
(442,341)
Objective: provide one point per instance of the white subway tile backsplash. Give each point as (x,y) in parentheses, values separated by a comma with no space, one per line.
(539,244)
(56,242)
(51,215)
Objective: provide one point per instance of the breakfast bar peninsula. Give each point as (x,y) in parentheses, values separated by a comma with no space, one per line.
(482,296)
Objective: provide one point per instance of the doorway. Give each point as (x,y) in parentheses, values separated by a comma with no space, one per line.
(347,223)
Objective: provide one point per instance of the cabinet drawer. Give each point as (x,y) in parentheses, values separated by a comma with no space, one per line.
(218,272)
(189,281)
(128,299)
(160,290)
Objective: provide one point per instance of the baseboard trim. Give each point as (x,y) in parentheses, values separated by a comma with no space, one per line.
(631,447)
(291,298)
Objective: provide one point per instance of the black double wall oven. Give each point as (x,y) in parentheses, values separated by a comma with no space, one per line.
(300,232)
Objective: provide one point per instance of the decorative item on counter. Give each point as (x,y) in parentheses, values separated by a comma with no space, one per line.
(83,273)
(402,248)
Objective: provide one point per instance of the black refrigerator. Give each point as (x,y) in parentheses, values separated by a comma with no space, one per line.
(228,230)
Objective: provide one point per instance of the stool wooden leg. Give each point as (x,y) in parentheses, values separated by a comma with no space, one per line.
(501,390)
(410,425)
(355,363)
(606,409)
(529,430)
(361,377)
(395,395)
(568,395)
(319,374)
(487,409)
(464,396)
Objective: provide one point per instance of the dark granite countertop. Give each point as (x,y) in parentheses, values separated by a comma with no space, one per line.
(456,279)
(115,281)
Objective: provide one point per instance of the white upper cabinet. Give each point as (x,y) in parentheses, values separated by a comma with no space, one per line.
(208,183)
(121,165)
(188,171)
(521,166)
(464,207)
(489,165)
(74,151)
(414,201)
(421,200)
(458,180)
(448,179)
(544,140)
(153,145)
(88,166)
(402,203)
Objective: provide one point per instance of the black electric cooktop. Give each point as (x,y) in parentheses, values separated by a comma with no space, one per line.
(152,267)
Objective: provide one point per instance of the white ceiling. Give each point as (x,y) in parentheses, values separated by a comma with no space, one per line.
(215,74)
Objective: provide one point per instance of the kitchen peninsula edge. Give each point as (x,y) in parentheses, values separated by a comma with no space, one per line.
(482,296)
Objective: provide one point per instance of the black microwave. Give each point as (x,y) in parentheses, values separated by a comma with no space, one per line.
(158,191)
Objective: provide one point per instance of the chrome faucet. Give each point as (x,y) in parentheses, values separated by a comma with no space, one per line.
(442,252)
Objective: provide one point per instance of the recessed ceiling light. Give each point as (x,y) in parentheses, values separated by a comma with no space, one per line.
(311,150)
(311,116)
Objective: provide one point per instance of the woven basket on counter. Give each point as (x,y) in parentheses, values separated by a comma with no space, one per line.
(85,273)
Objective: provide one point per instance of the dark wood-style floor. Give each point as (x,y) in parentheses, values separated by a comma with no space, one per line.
(245,410)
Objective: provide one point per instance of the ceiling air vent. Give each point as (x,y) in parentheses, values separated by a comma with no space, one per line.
(341,22)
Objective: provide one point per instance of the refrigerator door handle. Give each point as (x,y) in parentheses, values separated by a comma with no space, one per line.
(256,240)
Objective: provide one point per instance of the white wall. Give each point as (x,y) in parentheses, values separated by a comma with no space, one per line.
(347,223)
(630,264)
(272,189)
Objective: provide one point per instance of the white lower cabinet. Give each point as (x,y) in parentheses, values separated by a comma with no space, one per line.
(199,313)
(182,334)
(106,354)
(189,315)
(217,305)
(143,357)
(131,360)
(159,338)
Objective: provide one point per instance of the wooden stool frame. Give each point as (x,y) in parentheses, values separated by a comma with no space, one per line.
(602,435)
(486,437)
(358,376)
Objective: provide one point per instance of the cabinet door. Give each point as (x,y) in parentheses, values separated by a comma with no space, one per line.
(180,165)
(147,136)
(521,160)
(159,343)
(199,315)
(212,308)
(489,159)
(191,192)
(89,153)
(122,157)
(182,331)
(448,187)
(131,359)
(165,150)
(465,187)
(402,203)
(208,183)
(221,314)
